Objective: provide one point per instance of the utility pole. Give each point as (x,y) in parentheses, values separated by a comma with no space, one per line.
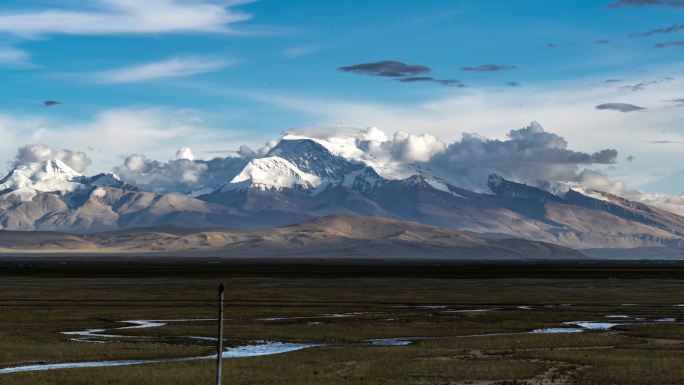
(219,341)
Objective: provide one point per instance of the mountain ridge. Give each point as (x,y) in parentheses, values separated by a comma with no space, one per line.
(302,179)
(336,236)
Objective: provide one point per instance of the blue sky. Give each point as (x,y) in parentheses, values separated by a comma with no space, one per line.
(150,77)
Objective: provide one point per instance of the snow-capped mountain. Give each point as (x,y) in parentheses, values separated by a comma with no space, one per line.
(305,178)
(273,172)
(50,195)
(53,176)
(27,180)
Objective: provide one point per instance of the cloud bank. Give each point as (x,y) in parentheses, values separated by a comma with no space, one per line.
(529,154)
(107,17)
(185,174)
(31,153)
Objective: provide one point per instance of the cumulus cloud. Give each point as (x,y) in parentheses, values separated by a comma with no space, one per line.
(489,68)
(30,153)
(108,17)
(185,153)
(178,175)
(528,154)
(416,148)
(402,147)
(599,181)
(185,174)
(387,68)
(621,107)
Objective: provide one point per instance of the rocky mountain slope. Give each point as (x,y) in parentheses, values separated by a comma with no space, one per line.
(328,237)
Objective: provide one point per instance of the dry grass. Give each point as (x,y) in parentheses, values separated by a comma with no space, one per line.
(34,312)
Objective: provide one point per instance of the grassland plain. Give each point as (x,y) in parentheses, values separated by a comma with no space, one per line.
(466,324)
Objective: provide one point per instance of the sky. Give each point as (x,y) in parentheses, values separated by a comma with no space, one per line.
(115,78)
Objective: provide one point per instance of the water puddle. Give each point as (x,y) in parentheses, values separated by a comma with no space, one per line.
(582,326)
(593,325)
(100,336)
(262,348)
(557,330)
(471,310)
(331,315)
(390,342)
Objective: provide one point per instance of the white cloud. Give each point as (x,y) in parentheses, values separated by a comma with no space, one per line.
(673,203)
(183,174)
(403,147)
(110,135)
(185,153)
(14,56)
(103,17)
(169,68)
(79,161)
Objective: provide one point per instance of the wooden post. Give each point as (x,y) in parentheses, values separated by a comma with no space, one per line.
(219,341)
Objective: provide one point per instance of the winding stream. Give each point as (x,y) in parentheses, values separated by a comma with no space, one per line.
(263,348)
(255,350)
(259,348)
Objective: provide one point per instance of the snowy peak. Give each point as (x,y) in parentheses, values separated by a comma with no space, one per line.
(363,180)
(272,172)
(346,147)
(54,176)
(49,176)
(313,158)
(295,163)
(109,180)
(506,188)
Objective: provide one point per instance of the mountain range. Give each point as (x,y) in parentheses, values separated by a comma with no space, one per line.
(301,179)
(336,236)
